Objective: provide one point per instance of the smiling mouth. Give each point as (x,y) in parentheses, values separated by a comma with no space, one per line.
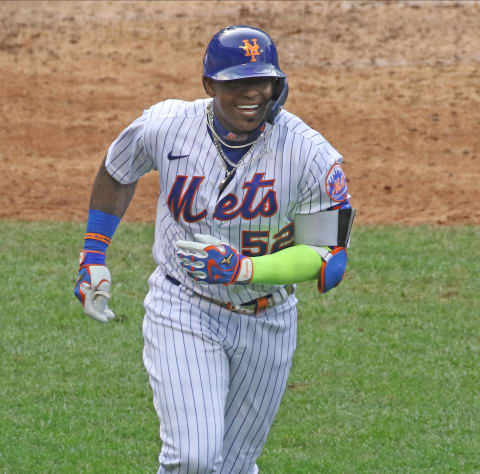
(249,110)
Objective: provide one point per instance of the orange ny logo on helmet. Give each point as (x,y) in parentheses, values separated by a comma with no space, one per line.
(251,50)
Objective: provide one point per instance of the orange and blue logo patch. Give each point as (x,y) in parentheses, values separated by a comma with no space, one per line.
(251,50)
(336,184)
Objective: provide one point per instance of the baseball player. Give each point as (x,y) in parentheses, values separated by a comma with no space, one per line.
(252,200)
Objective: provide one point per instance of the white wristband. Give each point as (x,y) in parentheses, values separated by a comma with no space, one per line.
(246,271)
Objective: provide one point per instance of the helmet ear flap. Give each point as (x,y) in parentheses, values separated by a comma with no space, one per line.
(277,88)
(280,94)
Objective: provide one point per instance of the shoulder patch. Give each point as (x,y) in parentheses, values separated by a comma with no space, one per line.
(336,183)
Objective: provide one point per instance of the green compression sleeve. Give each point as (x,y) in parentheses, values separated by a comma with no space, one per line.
(290,265)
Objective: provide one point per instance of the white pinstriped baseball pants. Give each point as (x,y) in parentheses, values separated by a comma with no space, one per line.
(217,378)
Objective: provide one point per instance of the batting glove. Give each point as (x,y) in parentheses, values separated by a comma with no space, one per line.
(93,291)
(210,260)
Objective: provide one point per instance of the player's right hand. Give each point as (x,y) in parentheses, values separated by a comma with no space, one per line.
(93,291)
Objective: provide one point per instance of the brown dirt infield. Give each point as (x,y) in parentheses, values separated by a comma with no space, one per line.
(394,86)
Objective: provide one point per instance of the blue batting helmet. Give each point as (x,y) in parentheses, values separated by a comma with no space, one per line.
(239,52)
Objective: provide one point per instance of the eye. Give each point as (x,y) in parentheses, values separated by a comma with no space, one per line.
(249,82)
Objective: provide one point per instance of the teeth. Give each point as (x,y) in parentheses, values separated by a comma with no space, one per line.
(248,106)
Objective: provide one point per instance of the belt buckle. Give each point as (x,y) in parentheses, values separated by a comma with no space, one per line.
(261,304)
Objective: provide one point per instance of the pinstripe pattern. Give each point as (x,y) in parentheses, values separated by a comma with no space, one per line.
(218,377)
(298,161)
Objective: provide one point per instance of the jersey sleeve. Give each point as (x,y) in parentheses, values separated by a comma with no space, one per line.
(324,185)
(127,158)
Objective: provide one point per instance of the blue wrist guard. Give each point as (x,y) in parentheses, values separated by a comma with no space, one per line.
(333,269)
(100,229)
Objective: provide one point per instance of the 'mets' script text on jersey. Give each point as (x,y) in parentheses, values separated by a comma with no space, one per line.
(268,189)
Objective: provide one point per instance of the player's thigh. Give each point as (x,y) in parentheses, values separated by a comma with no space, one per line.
(189,375)
(257,382)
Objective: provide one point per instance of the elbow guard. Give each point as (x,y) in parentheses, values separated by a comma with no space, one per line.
(333,267)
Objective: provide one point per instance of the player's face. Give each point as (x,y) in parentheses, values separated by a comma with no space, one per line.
(240,105)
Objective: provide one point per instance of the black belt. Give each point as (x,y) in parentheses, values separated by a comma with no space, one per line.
(251,307)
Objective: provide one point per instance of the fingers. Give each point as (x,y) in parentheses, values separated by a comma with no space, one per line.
(95,302)
(191,256)
(109,314)
(192,248)
(201,240)
(188,263)
(208,253)
(207,239)
(93,291)
(197,275)
(90,308)
(100,300)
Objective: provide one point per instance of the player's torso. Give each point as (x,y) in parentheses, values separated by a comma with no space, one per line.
(254,210)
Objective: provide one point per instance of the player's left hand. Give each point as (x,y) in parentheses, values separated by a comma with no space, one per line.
(210,260)
(93,291)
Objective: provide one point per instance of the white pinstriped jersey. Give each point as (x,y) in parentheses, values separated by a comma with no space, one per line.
(255,211)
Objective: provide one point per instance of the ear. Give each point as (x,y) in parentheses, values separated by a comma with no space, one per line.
(208,85)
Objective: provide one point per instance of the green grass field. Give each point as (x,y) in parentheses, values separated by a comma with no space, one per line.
(386,377)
